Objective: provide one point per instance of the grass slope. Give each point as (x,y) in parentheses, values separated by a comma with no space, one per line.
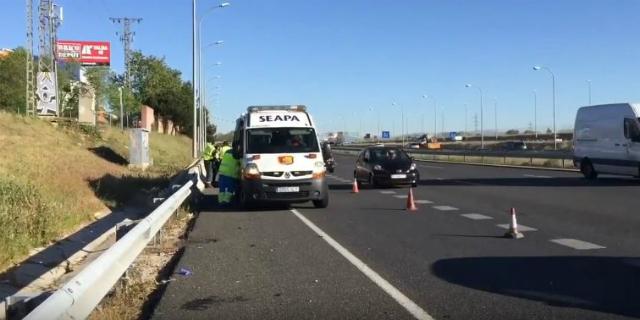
(52,179)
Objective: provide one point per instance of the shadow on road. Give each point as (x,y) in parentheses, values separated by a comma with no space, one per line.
(534,182)
(605,284)
(109,155)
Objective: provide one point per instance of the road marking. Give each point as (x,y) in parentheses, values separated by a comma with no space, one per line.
(537,176)
(387,192)
(432,167)
(423,201)
(521,227)
(476,216)
(400,196)
(445,208)
(403,300)
(577,244)
(439,178)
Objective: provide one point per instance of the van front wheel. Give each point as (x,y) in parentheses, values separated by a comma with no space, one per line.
(322,203)
(586,167)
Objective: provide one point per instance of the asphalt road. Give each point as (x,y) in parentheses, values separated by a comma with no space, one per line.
(365,257)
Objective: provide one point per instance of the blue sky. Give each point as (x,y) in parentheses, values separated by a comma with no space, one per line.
(342,57)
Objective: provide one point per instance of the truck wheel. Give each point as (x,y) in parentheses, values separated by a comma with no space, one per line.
(322,203)
(587,169)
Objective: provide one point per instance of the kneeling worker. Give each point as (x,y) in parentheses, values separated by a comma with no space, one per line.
(228,178)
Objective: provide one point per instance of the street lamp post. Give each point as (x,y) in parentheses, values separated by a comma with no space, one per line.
(195,37)
(535,113)
(465,120)
(495,116)
(589,87)
(121,110)
(468,85)
(553,85)
(402,123)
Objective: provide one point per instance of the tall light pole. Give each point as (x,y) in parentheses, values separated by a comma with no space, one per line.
(589,87)
(553,85)
(468,85)
(465,120)
(203,87)
(435,116)
(195,66)
(495,116)
(402,119)
(194,78)
(121,110)
(535,113)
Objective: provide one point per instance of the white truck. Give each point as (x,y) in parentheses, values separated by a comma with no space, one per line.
(606,139)
(281,157)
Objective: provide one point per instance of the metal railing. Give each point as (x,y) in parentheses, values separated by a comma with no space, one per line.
(564,158)
(80,295)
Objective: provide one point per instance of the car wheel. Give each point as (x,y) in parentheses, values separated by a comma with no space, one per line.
(322,203)
(587,169)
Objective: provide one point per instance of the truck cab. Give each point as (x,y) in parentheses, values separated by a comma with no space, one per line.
(280,156)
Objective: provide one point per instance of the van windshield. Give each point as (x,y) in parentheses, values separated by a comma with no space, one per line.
(281,140)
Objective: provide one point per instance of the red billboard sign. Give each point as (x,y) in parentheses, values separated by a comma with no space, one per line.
(87,53)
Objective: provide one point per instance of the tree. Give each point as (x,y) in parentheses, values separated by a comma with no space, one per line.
(549,131)
(512,131)
(13,81)
(98,77)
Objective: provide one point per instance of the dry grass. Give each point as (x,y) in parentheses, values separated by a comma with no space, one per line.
(135,298)
(49,175)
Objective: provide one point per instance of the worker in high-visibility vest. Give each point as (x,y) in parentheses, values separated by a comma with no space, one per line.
(207,156)
(220,150)
(229,178)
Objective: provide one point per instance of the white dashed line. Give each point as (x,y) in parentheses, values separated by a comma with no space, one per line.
(400,196)
(536,176)
(476,216)
(423,201)
(577,244)
(415,310)
(445,208)
(521,227)
(387,192)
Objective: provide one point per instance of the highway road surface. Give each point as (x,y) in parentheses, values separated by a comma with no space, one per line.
(365,257)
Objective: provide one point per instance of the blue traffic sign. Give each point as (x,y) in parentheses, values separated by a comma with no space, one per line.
(386,135)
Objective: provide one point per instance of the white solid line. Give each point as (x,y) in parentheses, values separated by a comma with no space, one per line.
(476,216)
(403,300)
(400,196)
(445,208)
(536,176)
(577,244)
(521,227)
(423,201)
(387,192)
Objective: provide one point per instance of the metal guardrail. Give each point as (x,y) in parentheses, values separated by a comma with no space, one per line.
(565,157)
(80,295)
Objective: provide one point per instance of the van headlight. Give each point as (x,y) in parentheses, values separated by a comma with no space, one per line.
(377,167)
(319,164)
(412,167)
(251,172)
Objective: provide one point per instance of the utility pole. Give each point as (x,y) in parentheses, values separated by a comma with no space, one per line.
(495,116)
(465,120)
(121,111)
(30,82)
(475,123)
(47,79)
(126,37)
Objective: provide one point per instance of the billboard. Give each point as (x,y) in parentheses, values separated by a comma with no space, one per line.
(87,53)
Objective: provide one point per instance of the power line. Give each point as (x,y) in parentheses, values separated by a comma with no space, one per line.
(126,37)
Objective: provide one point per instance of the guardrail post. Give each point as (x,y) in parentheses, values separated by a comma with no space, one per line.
(504,160)
(531,161)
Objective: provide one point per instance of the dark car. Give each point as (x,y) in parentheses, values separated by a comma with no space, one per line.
(329,161)
(514,145)
(386,166)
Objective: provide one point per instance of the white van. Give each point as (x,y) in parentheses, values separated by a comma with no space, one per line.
(281,156)
(606,139)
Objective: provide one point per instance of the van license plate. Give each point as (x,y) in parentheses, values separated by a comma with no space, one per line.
(288,189)
(398,176)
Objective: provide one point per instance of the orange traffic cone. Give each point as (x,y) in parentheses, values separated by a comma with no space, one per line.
(411,205)
(354,189)
(513,227)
